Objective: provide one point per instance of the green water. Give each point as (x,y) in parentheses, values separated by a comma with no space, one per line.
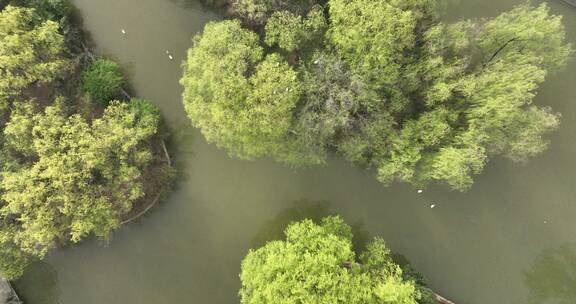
(511,239)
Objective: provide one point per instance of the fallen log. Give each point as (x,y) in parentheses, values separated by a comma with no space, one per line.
(7,294)
(441,300)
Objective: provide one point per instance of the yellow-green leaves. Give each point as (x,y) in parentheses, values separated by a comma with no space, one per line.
(293,32)
(316,264)
(102,80)
(533,32)
(371,36)
(76,178)
(239,101)
(29,52)
(382,81)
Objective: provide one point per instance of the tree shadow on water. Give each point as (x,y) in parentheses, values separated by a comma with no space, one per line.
(39,284)
(298,211)
(552,277)
(198,4)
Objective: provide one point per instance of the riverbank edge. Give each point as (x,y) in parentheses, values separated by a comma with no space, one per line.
(160,176)
(157,178)
(8,294)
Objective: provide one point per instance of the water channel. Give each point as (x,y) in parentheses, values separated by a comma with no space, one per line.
(510,239)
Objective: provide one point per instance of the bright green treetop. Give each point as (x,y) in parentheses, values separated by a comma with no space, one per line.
(240,100)
(102,80)
(66,178)
(316,264)
(30,51)
(292,32)
(383,82)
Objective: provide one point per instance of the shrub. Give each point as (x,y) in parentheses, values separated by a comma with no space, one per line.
(102,80)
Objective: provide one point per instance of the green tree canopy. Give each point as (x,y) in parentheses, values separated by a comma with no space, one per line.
(317,264)
(30,51)
(240,99)
(102,80)
(66,178)
(384,82)
(291,32)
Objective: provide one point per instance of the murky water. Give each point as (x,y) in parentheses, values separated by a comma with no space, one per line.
(511,239)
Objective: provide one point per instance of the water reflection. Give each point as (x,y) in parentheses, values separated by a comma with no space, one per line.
(302,209)
(39,284)
(306,209)
(197,5)
(552,277)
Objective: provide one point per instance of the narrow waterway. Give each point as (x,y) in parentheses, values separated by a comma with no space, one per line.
(511,239)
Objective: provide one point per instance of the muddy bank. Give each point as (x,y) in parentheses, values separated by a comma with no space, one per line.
(7,293)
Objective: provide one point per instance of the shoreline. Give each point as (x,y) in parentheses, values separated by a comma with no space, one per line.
(8,294)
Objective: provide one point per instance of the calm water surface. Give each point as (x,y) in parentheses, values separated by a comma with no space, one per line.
(511,239)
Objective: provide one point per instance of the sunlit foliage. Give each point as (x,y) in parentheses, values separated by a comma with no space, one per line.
(66,178)
(102,80)
(385,83)
(30,51)
(317,264)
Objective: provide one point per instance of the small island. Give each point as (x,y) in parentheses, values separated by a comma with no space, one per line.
(79,156)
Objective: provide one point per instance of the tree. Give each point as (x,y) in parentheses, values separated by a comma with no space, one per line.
(102,80)
(55,10)
(385,83)
(13,261)
(30,51)
(240,100)
(317,264)
(372,38)
(257,12)
(66,178)
(292,32)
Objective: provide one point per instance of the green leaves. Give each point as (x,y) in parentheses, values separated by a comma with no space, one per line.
(533,31)
(316,264)
(77,178)
(102,80)
(292,32)
(371,36)
(30,52)
(382,81)
(240,102)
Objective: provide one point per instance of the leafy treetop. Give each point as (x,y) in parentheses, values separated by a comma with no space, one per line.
(317,264)
(65,178)
(384,82)
(30,51)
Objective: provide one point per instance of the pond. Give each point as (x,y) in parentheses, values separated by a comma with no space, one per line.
(510,239)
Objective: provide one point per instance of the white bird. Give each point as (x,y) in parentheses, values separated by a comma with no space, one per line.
(170,56)
(420,191)
(432,206)
(123,31)
(167,52)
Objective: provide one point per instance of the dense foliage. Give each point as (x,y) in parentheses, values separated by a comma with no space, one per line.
(384,82)
(317,264)
(69,168)
(30,51)
(66,178)
(102,80)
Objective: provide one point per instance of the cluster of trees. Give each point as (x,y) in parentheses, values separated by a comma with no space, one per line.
(316,263)
(64,174)
(385,83)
